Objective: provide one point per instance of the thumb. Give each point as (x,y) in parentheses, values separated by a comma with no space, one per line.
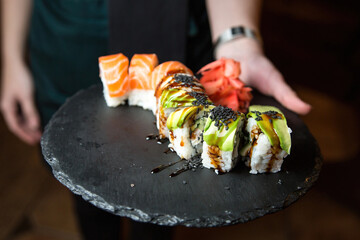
(286,96)
(290,100)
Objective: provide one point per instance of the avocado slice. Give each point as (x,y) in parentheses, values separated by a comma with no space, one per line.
(273,123)
(200,119)
(176,98)
(179,116)
(220,136)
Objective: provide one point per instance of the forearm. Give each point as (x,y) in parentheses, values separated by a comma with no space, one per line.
(15,21)
(228,13)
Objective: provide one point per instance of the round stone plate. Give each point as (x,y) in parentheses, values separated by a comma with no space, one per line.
(102,154)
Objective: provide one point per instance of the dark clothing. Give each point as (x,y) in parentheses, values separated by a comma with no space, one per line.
(95,223)
(67,37)
(144,26)
(174,30)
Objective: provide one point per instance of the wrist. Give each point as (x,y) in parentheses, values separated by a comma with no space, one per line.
(12,60)
(234,35)
(239,47)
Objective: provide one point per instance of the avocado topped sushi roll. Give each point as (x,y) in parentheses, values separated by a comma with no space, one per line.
(175,91)
(221,139)
(268,139)
(186,126)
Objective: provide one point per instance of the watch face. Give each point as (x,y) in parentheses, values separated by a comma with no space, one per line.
(237,30)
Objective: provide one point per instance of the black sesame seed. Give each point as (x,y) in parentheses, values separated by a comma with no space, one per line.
(223,116)
(183,78)
(201,99)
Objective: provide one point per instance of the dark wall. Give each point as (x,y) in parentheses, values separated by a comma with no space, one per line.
(315,43)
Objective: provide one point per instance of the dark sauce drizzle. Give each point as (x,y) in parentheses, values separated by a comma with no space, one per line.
(162,167)
(177,172)
(191,164)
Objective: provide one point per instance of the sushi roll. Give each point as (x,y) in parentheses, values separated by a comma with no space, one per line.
(141,90)
(186,126)
(166,69)
(222,139)
(114,77)
(173,92)
(267,138)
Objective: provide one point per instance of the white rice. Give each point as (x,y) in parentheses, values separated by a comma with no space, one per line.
(113,101)
(180,140)
(196,136)
(262,158)
(197,140)
(143,98)
(225,161)
(163,130)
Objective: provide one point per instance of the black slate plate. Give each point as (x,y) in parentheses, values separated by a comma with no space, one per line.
(101,153)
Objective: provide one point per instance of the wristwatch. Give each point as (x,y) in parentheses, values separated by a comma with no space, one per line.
(235,33)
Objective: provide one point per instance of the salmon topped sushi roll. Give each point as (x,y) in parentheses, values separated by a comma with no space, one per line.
(141,90)
(114,76)
(161,78)
(165,69)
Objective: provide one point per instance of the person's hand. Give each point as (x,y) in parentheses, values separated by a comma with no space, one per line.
(17,103)
(257,71)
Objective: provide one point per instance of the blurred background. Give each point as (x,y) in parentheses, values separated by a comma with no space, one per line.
(316,45)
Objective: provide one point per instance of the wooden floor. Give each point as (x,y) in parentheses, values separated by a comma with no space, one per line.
(34,206)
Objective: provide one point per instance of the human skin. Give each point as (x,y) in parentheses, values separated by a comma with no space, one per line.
(257,69)
(17,90)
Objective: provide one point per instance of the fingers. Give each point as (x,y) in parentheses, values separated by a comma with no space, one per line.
(269,81)
(26,127)
(285,95)
(31,115)
(289,99)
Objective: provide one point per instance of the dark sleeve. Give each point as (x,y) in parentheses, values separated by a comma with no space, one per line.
(145,26)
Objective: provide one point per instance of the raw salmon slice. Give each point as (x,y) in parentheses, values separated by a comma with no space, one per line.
(141,67)
(166,68)
(114,76)
(114,73)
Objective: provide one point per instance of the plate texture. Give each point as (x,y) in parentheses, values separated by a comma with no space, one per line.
(101,154)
